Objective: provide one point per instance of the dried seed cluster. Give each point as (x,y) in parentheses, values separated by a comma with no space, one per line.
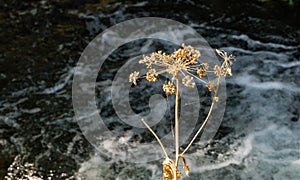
(183,61)
(133,77)
(169,88)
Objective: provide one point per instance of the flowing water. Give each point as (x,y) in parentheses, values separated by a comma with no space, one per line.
(259,137)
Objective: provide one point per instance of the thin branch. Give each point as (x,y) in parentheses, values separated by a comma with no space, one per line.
(205,121)
(177,121)
(157,138)
(196,77)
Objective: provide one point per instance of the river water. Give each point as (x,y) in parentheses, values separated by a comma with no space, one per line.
(259,137)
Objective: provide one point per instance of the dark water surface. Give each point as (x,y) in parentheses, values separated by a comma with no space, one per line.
(41,42)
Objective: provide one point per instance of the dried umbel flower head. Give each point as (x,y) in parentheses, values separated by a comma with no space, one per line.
(201,72)
(184,68)
(182,61)
(188,81)
(226,66)
(152,75)
(133,77)
(169,88)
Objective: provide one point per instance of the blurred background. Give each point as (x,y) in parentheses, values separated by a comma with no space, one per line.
(41,42)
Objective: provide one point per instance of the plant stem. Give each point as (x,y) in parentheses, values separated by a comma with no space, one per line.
(199,130)
(177,121)
(157,138)
(205,121)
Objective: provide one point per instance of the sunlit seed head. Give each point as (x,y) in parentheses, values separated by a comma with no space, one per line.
(188,81)
(217,70)
(133,77)
(151,75)
(201,72)
(169,88)
(183,62)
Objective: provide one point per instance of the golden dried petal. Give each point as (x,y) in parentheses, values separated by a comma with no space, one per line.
(167,59)
(201,72)
(169,88)
(133,77)
(151,75)
(188,81)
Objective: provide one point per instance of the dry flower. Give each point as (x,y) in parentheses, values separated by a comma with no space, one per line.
(179,61)
(169,88)
(217,70)
(201,72)
(151,75)
(226,66)
(188,81)
(182,65)
(133,77)
(185,166)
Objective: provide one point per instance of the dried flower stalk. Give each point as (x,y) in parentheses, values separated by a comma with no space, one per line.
(183,66)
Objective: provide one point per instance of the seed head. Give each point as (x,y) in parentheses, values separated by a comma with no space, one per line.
(133,77)
(201,72)
(188,81)
(217,70)
(182,64)
(169,88)
(226,65)
(151,75)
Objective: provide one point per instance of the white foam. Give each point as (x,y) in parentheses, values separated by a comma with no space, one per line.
(296,162)
(263,53)
(253,43)
(237,157)
(241,153)
(255,150)
(252,82)
(98,168)
(285,64)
